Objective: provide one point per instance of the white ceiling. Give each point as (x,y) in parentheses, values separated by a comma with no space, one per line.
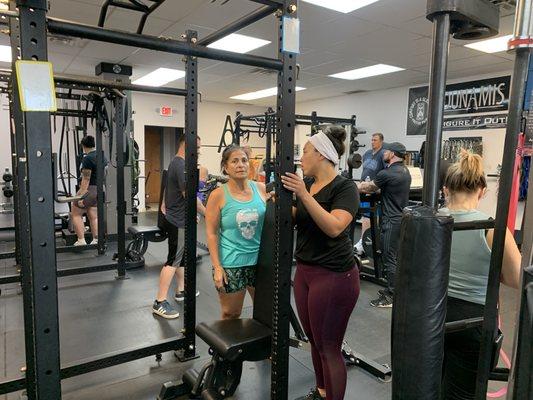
(392,32)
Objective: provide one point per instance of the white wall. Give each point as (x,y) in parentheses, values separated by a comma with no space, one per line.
(211,118)
(385,111)
(5,139)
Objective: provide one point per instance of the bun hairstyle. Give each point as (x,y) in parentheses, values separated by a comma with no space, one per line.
(337,135)
(226,154)
(467,174)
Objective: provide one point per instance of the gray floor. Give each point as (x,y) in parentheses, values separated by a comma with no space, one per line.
(99,314)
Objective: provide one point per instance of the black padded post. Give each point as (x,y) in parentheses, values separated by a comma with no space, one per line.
(264,286)
(420,304)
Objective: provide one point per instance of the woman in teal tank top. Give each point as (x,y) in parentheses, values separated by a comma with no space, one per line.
(464,186)
(234,221)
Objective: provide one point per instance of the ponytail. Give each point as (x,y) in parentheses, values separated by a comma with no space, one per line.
(467,174)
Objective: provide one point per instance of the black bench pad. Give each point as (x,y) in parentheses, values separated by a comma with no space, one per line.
(245,339)
(150,233)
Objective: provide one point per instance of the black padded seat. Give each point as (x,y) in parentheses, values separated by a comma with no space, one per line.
(151,233)
(245,339)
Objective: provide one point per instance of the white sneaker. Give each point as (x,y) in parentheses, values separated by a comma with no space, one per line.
(95,242)
(358,248)
(80,242)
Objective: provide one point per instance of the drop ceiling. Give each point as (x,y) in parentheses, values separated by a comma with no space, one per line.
(393,32)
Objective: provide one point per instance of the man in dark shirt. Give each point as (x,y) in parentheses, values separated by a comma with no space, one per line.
(88,188)
(173,209)
(394,183)
(372,163)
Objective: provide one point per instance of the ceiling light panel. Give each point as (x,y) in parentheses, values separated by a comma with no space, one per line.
(238,43)
(366,72)
(261,94)
(343,6)
(494,45)
(5,53)
(160,77)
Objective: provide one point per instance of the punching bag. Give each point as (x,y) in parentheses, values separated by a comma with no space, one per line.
(419,310)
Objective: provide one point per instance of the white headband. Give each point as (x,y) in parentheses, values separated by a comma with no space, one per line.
(325,147)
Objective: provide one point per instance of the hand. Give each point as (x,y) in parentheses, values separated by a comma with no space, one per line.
(294,183)
(80,204)
(271,196)
(220,277)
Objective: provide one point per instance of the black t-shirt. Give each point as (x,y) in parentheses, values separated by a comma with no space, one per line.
(395,183)
(89,162)
(313,246)
(174,199)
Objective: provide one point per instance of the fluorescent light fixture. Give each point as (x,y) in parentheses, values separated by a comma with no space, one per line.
(4,6)
(260,94)
(491,45)
(238,43)
(160,77)
(5,53)
(343,6)
(373,70)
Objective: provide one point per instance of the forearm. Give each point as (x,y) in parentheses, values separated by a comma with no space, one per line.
(200,207)
(84,185)
(367,187)
(328,223)
(212,244)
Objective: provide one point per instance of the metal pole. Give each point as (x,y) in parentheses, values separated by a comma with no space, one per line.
(39,280)
(437,89)
(285,123)
(154,43)
(191,180)
(268,146)
(100,182)
(243,22)
(121,201)
(516,101)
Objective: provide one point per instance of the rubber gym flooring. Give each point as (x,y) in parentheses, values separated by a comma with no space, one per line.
(99,314)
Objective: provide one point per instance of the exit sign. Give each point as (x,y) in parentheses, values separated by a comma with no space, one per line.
(165,111)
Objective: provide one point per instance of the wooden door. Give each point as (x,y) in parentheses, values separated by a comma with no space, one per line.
(152,153)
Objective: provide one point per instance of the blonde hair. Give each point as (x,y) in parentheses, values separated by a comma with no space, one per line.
(467,174)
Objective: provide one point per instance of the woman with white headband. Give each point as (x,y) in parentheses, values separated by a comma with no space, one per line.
(326,285)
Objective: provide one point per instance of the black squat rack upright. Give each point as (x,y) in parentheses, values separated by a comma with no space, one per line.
(29,26)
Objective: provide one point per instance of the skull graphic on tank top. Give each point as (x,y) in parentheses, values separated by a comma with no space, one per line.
(247,221)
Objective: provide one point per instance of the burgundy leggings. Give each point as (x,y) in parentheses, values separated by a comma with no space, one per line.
(325,300)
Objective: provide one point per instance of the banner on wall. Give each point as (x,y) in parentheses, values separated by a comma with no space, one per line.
(484,98)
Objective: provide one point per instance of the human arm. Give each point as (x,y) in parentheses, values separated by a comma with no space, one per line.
(367,187)
(511,265)
(85,180)
(212,227)
(331,223)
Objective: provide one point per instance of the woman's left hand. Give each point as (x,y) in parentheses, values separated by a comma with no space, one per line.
(294,183)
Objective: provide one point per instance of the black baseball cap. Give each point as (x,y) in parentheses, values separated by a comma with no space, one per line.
(396,147)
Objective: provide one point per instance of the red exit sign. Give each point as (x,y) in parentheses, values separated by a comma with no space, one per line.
(165,111)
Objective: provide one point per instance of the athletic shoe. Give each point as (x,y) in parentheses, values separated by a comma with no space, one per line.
(312,395)
(164,309)
(80,242)
(95,242)
(180,296)
(358,248)
(384,301)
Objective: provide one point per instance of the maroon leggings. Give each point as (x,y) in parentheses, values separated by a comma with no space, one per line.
(325,300)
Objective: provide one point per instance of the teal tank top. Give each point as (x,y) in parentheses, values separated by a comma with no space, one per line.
(241,224)
(469,261)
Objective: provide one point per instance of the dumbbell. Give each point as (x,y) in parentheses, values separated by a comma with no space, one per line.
(7,191)
(7,177)
(355,161)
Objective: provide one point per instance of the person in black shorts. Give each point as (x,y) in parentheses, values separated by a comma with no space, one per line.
(88,187)
(394,183)
(173,209)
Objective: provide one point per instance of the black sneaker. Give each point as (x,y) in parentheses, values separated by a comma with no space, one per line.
(180,296)
(384,301)
(312,395)
(164,309)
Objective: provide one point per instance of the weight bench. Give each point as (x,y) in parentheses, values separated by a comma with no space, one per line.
(231,342)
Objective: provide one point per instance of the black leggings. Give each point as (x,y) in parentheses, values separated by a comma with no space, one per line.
(461,352)
(325,300)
